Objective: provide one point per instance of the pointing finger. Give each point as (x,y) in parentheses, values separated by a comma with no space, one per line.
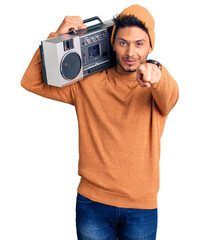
(147,75)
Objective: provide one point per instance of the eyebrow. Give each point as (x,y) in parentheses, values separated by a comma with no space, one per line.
(140,40)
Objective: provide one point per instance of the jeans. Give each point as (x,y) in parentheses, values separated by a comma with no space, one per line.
(97,221)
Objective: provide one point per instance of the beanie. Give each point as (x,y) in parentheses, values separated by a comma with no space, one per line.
(143,15)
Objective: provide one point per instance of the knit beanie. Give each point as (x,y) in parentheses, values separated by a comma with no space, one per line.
(143,15)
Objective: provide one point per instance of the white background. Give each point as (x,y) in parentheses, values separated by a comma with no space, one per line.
(39,137)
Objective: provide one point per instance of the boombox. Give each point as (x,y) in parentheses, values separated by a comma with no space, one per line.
(71,57)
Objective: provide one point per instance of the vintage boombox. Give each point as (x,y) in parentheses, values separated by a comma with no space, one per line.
(71,57)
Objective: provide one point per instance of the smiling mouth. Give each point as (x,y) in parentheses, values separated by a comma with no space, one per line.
(130,62)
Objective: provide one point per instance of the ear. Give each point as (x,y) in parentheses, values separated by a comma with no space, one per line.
(114,49)
(150,50)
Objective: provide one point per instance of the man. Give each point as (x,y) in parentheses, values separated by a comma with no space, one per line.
(121,113)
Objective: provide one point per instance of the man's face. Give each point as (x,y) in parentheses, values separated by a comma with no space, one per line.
(132,46)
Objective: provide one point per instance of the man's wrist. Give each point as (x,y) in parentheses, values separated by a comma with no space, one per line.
(154,62)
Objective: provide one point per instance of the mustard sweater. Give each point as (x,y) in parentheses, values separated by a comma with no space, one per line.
(120,126)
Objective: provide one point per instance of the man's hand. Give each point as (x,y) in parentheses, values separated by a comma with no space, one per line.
(69,23)
(148,74)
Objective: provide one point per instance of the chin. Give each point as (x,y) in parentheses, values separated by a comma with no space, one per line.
(128,68)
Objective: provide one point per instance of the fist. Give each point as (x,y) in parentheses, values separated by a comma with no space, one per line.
(69,23)
(148,74)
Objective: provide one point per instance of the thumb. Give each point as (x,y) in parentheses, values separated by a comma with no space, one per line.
(141,76)
(84,26)
(140,71)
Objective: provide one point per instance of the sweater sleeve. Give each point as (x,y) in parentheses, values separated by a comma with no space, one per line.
(33,82)
(165,92)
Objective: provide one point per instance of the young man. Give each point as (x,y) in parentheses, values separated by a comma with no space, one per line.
(121,113)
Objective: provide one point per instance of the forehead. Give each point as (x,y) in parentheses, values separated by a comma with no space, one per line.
(132,34)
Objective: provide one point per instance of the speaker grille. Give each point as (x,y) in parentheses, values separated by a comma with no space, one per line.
(70,65)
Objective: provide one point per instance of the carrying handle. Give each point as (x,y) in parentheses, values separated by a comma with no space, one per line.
(93,19)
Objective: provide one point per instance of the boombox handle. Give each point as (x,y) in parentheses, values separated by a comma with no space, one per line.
(92,19)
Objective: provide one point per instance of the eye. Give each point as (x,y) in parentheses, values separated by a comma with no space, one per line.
(122,43)
(139,44)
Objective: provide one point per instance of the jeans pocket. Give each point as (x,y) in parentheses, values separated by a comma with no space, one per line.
(82,199)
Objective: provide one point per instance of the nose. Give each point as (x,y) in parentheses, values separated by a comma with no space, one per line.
(131,51)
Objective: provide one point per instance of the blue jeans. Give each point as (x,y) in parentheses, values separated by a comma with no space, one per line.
(97,221)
